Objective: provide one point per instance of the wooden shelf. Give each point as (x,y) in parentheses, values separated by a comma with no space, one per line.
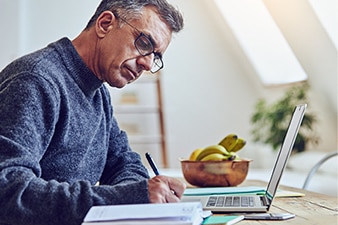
(144,139)
(138,109)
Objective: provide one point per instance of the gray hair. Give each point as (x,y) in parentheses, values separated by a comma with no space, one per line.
(131,9)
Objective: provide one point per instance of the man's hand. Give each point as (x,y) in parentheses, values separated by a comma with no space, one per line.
(163,189)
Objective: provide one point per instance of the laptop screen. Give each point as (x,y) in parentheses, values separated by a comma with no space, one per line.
(285,151)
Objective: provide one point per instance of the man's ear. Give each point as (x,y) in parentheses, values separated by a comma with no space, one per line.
(105,23)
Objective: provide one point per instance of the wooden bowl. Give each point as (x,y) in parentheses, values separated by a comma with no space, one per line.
(215,173)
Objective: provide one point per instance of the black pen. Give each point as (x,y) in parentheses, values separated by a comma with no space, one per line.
(152,164)
(154,167)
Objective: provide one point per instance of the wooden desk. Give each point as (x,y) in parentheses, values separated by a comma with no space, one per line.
(311,209)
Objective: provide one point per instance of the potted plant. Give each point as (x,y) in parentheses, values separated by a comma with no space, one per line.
(270,121)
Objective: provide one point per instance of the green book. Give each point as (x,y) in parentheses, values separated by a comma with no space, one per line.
(224,191)
(222,220)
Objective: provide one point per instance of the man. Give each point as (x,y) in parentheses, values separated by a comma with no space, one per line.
(58,137)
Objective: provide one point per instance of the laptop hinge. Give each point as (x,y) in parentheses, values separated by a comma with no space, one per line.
(264,200)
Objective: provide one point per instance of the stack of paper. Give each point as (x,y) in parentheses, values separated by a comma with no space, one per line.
(183,213)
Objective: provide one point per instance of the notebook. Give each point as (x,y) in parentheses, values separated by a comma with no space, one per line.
(182,213)
(251,202)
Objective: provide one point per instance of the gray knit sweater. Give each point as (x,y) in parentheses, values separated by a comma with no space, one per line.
(58,138)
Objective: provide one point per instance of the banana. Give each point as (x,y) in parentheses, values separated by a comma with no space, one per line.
(239,145)
(214,157)
(195,153)
(233,156)
(212,149)
(225,150)
(229,142)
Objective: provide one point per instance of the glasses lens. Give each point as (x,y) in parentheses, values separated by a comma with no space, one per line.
(157,64)
(144,45)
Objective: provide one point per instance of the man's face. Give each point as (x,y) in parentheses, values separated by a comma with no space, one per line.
(117,61)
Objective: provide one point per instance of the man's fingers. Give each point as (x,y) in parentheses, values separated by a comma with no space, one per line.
(172,198)
(177,187)
(165,189)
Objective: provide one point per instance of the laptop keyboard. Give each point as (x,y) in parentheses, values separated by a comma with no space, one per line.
(230,201)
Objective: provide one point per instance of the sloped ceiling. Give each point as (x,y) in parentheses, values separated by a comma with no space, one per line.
(310,43)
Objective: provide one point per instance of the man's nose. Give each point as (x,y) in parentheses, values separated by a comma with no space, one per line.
(146,61)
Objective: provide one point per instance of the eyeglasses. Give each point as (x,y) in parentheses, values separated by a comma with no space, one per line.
(145,47)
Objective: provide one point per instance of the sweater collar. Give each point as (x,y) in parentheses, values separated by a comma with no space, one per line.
(83,76)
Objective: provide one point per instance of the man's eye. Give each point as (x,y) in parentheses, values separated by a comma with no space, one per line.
(143,43)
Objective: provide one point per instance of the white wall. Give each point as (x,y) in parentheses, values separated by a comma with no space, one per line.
(29,25)
(207,93)
(10,31)
(209,88)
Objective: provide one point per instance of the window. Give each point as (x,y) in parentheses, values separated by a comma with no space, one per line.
(262,41)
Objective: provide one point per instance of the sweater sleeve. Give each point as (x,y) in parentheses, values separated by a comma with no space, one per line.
(123,164)
(28,117)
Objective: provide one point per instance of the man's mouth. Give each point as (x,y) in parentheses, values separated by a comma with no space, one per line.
(132,75)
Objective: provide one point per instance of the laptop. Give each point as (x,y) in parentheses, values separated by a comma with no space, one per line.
(250,202)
